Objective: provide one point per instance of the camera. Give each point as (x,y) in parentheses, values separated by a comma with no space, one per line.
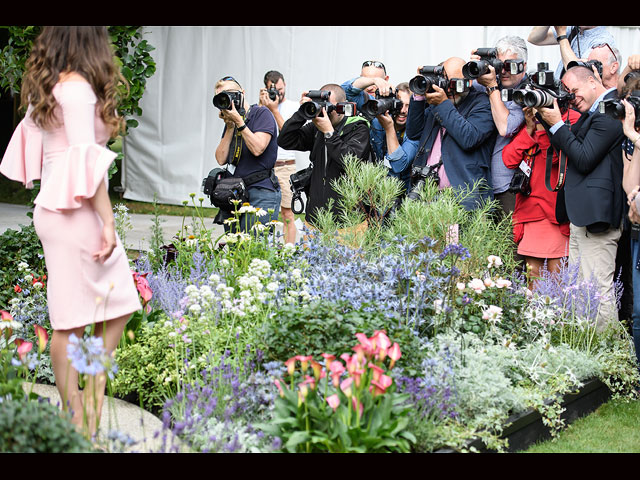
(273,93)
(390,103)
(588,64)
(299,183)
(540,90)
(224,100)
(209,183)
(320,100)
(421,175)
(428,77)
(477,68)
(614,107)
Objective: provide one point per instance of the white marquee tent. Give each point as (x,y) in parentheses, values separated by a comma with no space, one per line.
(172,149)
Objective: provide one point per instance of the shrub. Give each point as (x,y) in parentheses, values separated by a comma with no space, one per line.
(38,427)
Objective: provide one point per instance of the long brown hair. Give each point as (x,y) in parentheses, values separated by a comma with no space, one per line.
(82,49)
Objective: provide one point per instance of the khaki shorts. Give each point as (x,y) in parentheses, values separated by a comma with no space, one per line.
(283,173)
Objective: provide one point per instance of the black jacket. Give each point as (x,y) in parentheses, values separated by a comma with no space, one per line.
(351,136)
(592,195)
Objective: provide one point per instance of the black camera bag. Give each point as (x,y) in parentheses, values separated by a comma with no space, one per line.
(230,188)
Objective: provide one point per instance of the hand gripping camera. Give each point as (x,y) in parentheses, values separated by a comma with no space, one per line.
(320,100)
(390,103)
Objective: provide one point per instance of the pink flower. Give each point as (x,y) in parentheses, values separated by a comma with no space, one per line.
(337,369)
(368,348)
(43,337)
(377,371)
(382,344)
(328,358)
(345,386)
(23,347)
(378,387)
(143,286)
(333,401)
(5,316)
(394,354)
(317,369)
(357,405)
(277,382)
(304,361)
(291,365)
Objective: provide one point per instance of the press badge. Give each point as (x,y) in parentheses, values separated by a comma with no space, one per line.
(525,168)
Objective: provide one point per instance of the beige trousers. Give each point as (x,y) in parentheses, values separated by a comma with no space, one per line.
(596,255)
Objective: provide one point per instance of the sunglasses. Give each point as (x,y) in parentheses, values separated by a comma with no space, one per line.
(227,79)
(609,47)
(374,63)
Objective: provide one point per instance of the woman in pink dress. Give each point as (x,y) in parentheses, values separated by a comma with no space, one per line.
(69,90)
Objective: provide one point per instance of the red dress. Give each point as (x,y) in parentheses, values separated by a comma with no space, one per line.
(535,228)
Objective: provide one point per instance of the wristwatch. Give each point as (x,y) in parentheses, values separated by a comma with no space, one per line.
(490,90)
(561,37)
(244,125)
(328,135)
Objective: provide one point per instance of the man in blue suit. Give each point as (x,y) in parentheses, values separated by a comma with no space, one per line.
(592,198)
(455,133)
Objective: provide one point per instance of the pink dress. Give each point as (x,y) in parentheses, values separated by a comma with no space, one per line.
(71,160)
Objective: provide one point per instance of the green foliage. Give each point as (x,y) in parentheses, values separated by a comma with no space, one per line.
(319,327)
(18,246)
(38,427)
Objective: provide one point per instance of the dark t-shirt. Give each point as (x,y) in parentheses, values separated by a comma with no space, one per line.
(259,119)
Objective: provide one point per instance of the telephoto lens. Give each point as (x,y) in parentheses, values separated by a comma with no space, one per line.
(223,101)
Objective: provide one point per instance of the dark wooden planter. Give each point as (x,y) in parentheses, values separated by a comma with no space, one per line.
(526,428)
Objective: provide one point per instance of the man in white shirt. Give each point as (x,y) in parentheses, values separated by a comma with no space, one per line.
(282,108)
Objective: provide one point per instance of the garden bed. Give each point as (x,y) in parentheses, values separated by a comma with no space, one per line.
(528,428)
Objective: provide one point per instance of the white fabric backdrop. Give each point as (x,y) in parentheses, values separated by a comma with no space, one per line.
(172,149)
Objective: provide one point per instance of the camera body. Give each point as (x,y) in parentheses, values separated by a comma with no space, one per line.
(224,100)
(427,78)
(421,175)
(381,104)
(299,183)
(477,68)
(273,93)
(614,107)
(540,90)
(320,100)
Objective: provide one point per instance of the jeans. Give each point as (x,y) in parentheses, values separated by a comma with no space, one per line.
(635,317)
(260,198)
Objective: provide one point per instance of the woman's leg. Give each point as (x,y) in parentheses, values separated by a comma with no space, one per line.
(93,395)
(66,376)
(537,266)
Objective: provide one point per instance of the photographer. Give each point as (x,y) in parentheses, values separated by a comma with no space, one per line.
(511,55)
(455,132)
(575,42)
(592,199)
(373,78)
(273,96)
(631,184)
(329,136)
(540,238)
(249,146)
(396,150)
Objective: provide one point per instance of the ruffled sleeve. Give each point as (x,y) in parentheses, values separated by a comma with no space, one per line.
(22,160)
(83,166)
(75,177)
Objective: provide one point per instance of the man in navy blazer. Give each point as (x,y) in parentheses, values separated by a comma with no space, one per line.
(457,128)
(592,198)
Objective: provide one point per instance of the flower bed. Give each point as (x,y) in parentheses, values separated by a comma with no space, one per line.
(404,336)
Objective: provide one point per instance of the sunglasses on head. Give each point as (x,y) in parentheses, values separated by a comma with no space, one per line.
(374,63)
(609,47)
(228,78)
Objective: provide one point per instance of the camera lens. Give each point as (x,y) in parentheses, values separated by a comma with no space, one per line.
(222,101)
(475,69)
(420,84)
(537,99)
(310,110)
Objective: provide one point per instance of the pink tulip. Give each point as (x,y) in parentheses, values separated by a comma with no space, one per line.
(394,354)
(5,316)
(333,401)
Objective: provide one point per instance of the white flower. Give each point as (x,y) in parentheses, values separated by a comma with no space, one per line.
(437,304)
(493,314)
(195,309)
(460,286)
(28,277)
(38,285)
(488,282)
(477,285)
(247,209)
(23,266)
(260,212)
(503,283)
(494,261)
(258,227)
(272,286)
